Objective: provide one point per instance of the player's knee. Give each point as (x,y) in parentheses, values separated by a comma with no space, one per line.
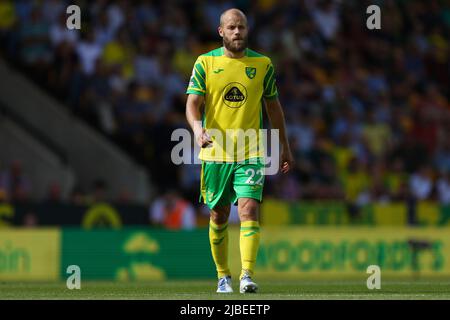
(219,216)
(248,210)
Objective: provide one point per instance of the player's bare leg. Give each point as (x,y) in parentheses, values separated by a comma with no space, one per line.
(220,214)
(248,209)
(218,238)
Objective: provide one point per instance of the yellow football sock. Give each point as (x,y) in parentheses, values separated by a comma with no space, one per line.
(249,244)
(218,239)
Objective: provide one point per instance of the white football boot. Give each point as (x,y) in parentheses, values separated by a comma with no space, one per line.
(224,285)
(247,285)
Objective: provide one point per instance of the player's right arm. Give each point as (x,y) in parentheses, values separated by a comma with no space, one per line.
(196,98)
(193,115)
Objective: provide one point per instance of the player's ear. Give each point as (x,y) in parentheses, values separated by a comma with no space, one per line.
(220,30)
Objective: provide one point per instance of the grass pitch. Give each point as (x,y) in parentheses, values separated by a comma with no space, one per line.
(205,290)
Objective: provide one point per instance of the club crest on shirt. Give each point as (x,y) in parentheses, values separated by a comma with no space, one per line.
(250,72)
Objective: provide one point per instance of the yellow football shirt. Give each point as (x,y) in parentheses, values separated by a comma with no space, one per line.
(234,90)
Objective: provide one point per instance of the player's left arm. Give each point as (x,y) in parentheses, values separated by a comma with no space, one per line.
(277,121)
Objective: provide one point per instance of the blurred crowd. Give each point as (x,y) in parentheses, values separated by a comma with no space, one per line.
(14,183)
(368,111)
(16,187)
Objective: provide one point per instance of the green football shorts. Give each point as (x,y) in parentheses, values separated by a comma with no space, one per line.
(225,182)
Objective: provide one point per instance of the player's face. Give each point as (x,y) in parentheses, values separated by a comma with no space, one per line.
(234,32)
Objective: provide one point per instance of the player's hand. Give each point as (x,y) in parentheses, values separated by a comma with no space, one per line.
(287,160)
(203,139)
